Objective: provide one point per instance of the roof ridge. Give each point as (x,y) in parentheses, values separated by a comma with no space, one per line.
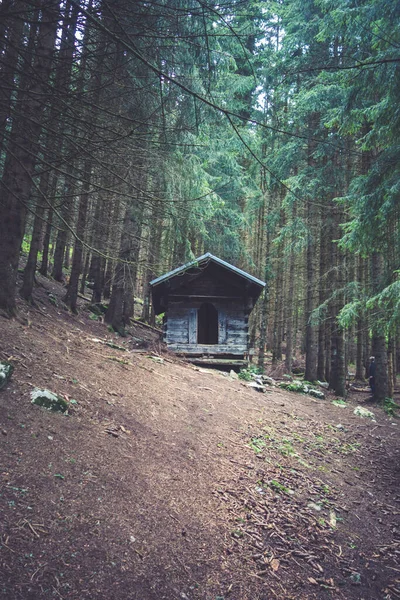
(201,258)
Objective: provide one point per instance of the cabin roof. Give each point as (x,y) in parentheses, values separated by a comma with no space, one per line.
(162,286)
(205,259)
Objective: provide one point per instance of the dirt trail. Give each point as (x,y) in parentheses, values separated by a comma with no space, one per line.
(169,482)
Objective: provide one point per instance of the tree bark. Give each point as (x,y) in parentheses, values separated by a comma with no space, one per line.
(22,155)
(71,296)
(378,338)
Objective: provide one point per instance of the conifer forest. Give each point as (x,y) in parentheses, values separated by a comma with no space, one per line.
(137,135)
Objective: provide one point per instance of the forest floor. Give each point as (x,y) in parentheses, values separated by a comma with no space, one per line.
(166,481)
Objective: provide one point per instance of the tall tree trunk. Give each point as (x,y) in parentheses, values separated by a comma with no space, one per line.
(30,267)
(44,266)
(66,214)
(361,330)
(391,370)
(323,268)
(290,320)
(337,380)
(71,296)
(21,155)
(311,338)
(378,338)
(311,341)
(117,315)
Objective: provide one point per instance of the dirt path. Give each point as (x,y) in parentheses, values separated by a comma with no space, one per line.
(169,482)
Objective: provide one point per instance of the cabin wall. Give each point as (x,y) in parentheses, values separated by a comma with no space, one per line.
(180,325)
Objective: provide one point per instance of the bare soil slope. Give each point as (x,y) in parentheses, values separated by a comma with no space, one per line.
(164,481)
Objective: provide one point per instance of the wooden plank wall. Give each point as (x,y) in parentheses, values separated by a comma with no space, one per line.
(181,324)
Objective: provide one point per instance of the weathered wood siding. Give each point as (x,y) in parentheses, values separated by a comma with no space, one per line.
(215,350)
(181,326)
(213,281)
(176,328)
(236,326)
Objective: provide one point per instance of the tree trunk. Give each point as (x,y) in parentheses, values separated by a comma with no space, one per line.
(323,268)
(30,267)
(361,328)
(116,313)
(290,324)
(71,296)
(311,338)
(378,337)
(391,371)
(46,243)
(21,156)
(65,221)
(311,342)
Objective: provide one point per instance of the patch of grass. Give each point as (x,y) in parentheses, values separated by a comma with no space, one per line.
(286,448)
(257,444)
(236,533)
(247,374)
(349,448)
(390,407)
(278,487)
(302,387)
(339,402)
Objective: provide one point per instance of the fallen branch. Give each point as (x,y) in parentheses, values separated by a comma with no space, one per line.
(137,322)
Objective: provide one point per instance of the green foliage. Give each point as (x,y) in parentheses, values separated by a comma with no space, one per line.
(339,402)
(49,400)
(303,387)
(292,386)
(388,302)
(279,487)
(6,370)
(390,407)
(258,444)
(248,373)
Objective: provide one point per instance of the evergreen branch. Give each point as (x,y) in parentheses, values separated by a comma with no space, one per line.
(359,65)
(174,80)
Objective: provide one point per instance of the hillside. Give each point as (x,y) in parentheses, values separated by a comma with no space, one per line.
(166,481)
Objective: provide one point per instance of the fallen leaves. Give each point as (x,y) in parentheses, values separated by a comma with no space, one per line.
(275,563)
(115,430)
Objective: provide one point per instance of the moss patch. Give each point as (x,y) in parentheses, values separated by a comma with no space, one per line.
(6,370)
(48,400)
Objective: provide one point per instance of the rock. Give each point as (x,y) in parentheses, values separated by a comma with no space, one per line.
(268,380)
(314,506)
(233,374)
(323,384)
(360,411)
(6,370)
(316,394)
(48,400)
(256,386)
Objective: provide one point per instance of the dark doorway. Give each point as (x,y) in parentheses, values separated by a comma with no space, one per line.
(207,324)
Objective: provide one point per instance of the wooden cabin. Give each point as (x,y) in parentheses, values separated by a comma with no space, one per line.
(207,303)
